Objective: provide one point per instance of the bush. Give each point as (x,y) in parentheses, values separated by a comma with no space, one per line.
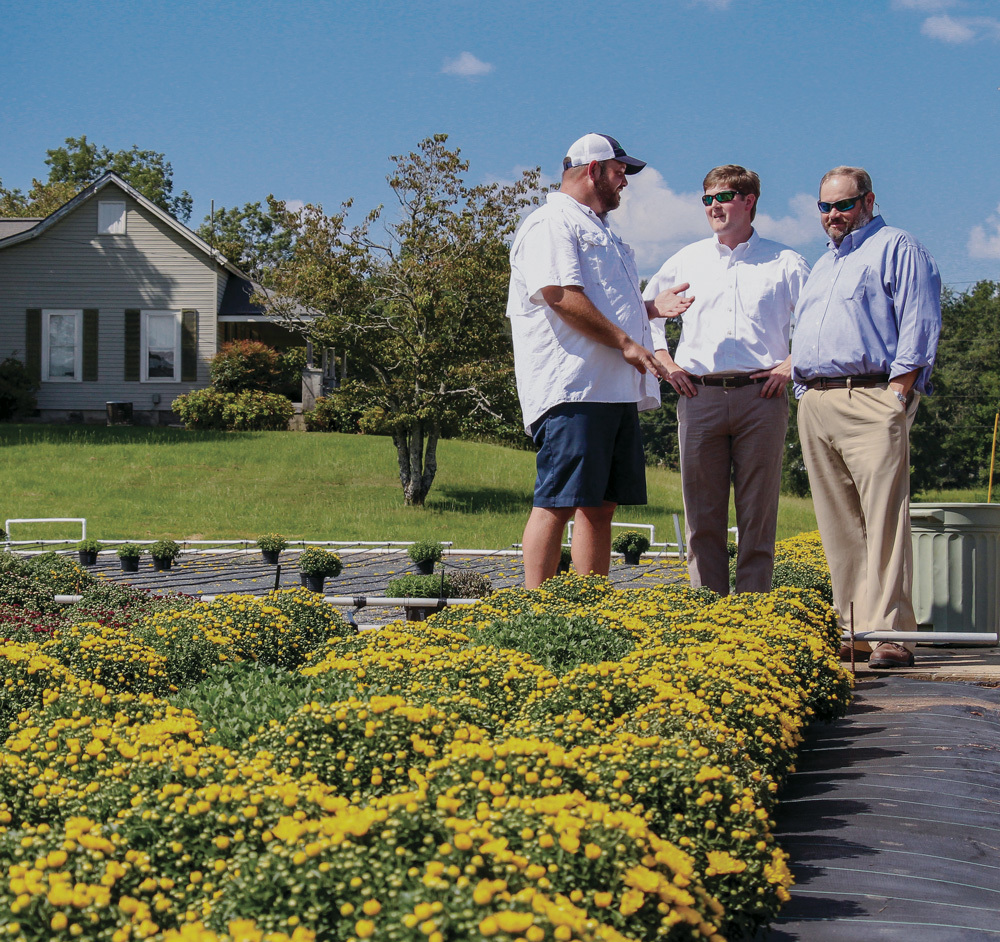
(413,586)
(243,365)
(248,411)
(129,551)
(469,584)
(424,551)
(17,390)
(164,549)
(271,542)
(630,541)
(60,575)
(341,411)
(316,561)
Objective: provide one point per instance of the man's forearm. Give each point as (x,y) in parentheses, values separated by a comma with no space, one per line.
(574,307)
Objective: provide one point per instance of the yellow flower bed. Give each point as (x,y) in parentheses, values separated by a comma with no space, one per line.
(462,791)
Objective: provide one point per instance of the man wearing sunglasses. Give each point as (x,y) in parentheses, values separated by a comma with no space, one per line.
(583,359)
(731,369)
(867,327)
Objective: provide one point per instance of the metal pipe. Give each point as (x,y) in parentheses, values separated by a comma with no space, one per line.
(941,637)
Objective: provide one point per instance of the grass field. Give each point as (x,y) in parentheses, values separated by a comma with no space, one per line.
(146,483)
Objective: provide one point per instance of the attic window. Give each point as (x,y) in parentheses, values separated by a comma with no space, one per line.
(110,218)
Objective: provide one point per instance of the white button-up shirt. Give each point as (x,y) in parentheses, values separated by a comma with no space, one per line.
(744,298)
(566,244)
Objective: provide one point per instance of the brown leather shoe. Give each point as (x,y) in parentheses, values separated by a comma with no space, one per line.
(890,654)
(859,655)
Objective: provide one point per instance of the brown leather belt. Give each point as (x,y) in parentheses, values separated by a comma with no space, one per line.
(728,381)
(861,381)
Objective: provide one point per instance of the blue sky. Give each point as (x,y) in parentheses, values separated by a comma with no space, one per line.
(307,100)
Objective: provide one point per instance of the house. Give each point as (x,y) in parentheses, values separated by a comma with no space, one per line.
(112,300)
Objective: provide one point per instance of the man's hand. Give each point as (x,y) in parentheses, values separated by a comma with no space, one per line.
(778,377)
(669,303)
(679,379)
(643,360)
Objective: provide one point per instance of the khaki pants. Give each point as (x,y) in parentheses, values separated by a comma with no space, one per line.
(856,446)
(731,435)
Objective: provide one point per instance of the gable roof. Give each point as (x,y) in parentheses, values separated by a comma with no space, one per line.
(12,226)
(89,192)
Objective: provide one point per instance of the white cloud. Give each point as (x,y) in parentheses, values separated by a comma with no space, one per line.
(984,241)
(961,29)
(657,222)
(467,66)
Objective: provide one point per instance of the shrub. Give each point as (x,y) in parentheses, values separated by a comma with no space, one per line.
(59,575)
(164,549)
(129,551)
(469,584)
(88,546)
(630,541)
(424,551)
(17,390)
(271,542)
(248,411)
(413,586)
(340,411)
(316,561)
(245,365)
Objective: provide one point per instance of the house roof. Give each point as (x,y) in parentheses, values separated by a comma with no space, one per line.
(236,298)
(9,227)
(39,227)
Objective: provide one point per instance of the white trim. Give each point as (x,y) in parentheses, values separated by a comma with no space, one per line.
(144,376)
(77,314)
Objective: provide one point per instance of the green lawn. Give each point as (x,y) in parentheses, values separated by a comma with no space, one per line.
(158,482)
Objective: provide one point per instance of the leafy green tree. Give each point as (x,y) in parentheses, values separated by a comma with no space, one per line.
(420,304)
(252,238)
(79,163)
(952,436)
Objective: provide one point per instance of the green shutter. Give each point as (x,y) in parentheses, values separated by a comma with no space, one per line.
(189,346)
(132,344)
(33,343)
(90,330)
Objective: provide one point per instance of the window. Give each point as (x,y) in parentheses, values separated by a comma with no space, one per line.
(110,218)
(160,344)
(62,346)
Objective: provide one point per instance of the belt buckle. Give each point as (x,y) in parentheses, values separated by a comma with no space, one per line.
(729,382)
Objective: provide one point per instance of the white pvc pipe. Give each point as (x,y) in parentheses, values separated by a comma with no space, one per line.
(942,637)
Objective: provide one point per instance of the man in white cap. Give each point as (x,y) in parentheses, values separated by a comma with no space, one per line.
(583,358)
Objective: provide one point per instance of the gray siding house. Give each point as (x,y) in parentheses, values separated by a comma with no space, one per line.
(111,299)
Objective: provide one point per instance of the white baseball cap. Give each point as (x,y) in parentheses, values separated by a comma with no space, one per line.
(599,147)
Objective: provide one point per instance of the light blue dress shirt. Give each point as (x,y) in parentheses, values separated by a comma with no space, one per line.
(871,305)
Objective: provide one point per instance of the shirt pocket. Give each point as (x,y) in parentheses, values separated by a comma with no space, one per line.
(597,255)
(852,285)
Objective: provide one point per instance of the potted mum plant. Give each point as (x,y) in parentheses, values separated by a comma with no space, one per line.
(425,553)
(271,545)
(632,544)
(164,552)
(87,549)
(128,554)
(315,564)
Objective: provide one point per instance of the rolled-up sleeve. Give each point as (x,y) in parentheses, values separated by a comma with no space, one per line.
(547,255)
(916,291)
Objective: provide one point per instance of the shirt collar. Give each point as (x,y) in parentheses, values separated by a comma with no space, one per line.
(744,248)
(557,197)
(855,239)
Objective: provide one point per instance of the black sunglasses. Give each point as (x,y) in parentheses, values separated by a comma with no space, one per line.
(842,206)
(726,196)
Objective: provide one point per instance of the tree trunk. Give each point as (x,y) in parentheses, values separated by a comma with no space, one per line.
(416,452)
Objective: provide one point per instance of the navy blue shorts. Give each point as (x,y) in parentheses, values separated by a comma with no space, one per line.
(589,453)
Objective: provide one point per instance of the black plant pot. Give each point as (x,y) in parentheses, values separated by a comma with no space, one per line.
(161,564)
(270,556)
(129,563)
(313,583)
(632,557)
(88,557)
(425,566)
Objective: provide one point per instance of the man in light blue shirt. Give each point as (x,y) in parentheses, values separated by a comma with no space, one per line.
(867,327)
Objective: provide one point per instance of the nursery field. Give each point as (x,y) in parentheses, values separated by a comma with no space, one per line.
(571,763)
(152,483)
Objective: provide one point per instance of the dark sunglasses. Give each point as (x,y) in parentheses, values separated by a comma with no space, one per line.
(842,206)
(726,196)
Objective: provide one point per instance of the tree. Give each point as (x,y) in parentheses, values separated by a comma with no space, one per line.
(251,238)
(79,163)
(420,305)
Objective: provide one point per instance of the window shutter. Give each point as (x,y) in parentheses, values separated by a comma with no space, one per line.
(90,330)
(189,346)
(33,343)
(132,343)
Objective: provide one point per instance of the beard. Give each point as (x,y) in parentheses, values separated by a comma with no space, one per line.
(837,234)
(609,195)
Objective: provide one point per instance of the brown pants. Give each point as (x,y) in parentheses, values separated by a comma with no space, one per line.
(731,435)
(856,446)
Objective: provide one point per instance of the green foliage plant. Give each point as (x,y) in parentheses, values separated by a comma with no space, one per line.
(630,541)
(88,546)
(60,575)
(413,586)
(17,390)
(469,584)
(164,549)
(316,561)
(247,411)
(271,542)
(244,365)
(425,551)
(130,551)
